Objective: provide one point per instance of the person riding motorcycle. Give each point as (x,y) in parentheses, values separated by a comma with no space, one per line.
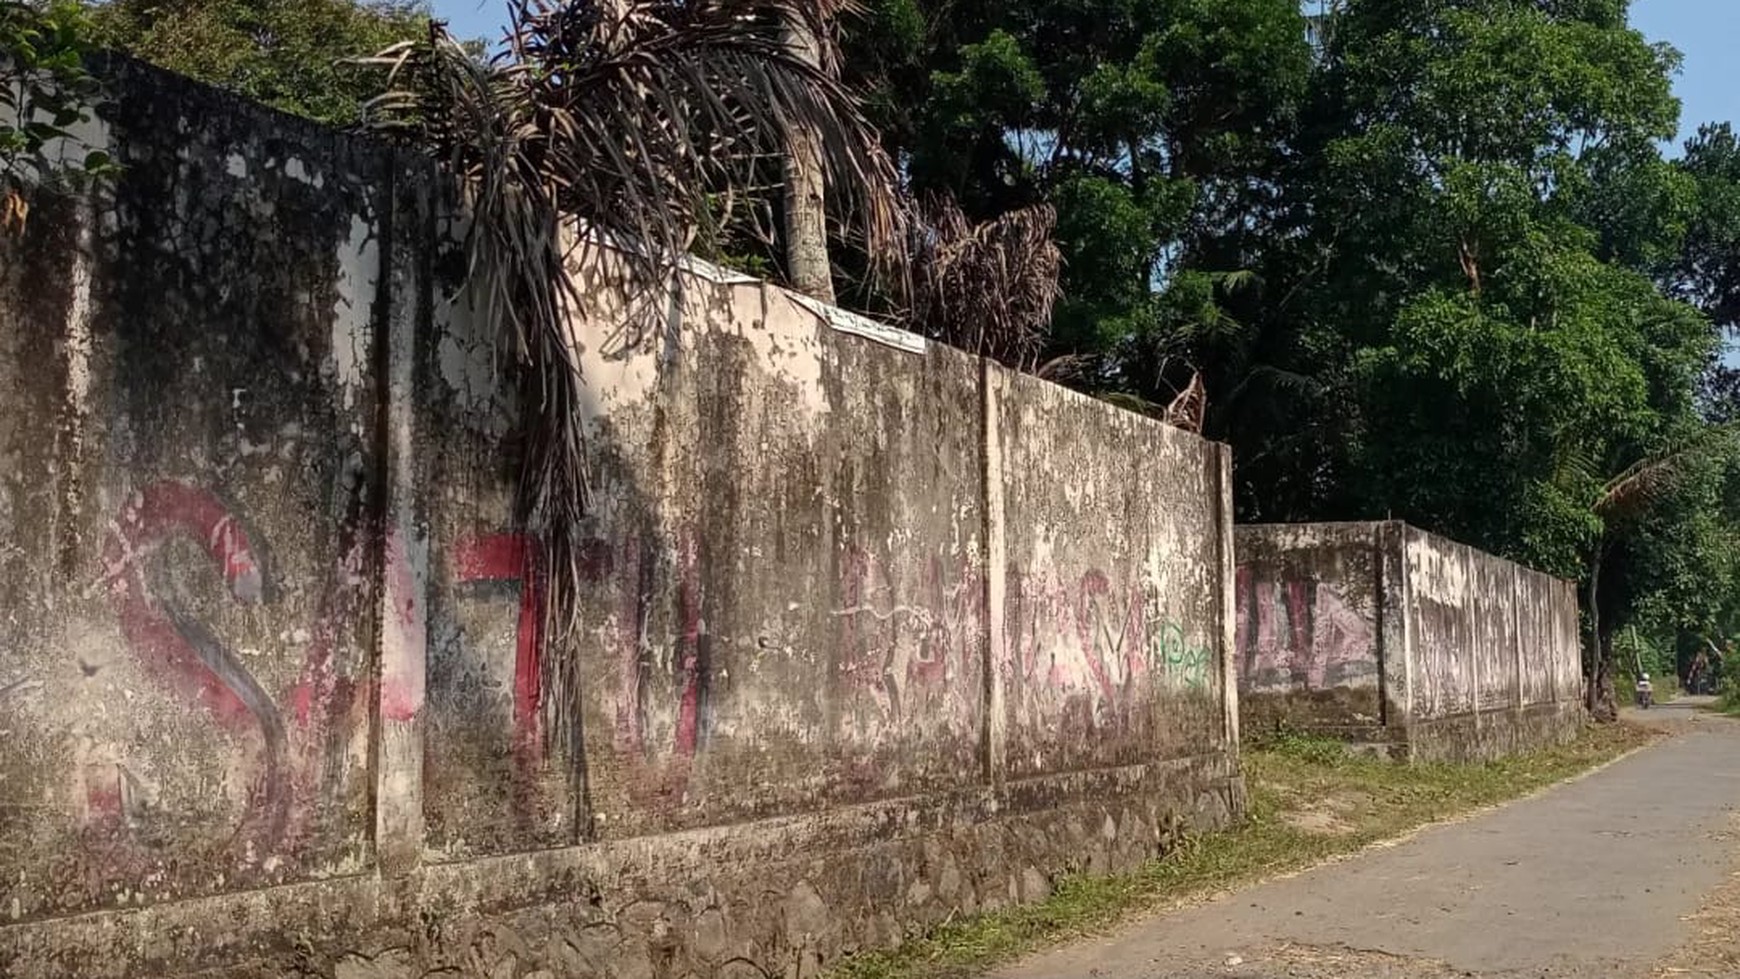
(1644,691)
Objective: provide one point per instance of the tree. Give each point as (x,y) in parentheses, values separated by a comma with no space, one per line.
(1672,543)
(45,91)
(1152,129)
(703,92)
(294,55)
(1476,220)
(1706,272)
(806,211)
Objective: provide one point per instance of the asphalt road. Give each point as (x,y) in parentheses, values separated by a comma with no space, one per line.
(1592,878)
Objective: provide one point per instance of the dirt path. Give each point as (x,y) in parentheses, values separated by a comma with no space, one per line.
(1595,878)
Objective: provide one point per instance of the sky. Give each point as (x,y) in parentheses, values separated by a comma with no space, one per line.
(1705,32)
(484,18)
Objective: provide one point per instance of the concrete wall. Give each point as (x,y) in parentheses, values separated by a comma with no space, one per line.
(1310,626)
(1385,634)
(874,633)
(1494,661)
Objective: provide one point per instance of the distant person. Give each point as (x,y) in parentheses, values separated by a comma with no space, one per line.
(1700,674)
(1644,691)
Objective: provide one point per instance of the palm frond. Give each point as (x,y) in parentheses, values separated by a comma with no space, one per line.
(1652,477)
(614,123)
(986,287)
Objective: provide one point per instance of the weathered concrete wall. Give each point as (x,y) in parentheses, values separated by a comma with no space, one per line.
(1112,623)
(1310,626)
(1386,634)
(191,462)
(1493,652)
(874,633)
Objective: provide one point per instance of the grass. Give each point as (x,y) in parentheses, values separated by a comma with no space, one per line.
(1309,801)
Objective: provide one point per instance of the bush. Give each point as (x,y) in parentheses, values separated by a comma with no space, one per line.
(1312,748)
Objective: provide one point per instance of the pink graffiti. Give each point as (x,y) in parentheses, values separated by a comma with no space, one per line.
(184,657)
(1108,631)
(515,558)
(1091,637)
(652,780)
(892,649)
(403,642)
(152,518)
(1325,641)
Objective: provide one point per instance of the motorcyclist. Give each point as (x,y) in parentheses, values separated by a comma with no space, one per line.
(1643,691)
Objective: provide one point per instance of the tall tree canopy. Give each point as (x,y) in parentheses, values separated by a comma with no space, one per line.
(295,55)
(1152,126)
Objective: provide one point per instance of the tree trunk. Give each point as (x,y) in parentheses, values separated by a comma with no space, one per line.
(1602,703)
(1594,630)
(806,213)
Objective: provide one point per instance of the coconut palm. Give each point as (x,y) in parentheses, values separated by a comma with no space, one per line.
(615,122)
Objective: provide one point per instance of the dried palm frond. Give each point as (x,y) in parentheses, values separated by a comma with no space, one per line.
(1070,369)
(1188,409)
(1133,403)
(988,288)
(614,123)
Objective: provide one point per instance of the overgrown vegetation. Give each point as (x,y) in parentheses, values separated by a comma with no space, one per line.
(1310,801)
(296,55)
(45,93)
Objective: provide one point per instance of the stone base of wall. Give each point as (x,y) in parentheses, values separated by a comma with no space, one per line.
(1338,708)
(1494,734)
(773,897)
(1462,738)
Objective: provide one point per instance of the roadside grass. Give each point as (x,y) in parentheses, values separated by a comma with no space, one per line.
(1708,948)
(1728,702)
(1309,801)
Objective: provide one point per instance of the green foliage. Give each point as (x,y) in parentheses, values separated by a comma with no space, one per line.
(1475,273)
(294,55)
(45,94)
(1152,128)
(1313,749)
(1706,271)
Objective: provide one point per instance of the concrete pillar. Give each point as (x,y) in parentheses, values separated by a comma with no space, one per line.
(1519,637)
(992,386)
(1227,573)
(1395,656)
(403,540)
(1470,600)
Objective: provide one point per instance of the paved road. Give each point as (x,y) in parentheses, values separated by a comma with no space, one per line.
(1593,878)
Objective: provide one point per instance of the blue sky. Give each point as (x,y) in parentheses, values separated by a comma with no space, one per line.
(1705,31)
(472,18)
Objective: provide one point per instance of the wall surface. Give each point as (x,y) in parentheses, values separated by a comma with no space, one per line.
(191,462)
(1310,626)
(1386,634)
(1493,652)
(873,633)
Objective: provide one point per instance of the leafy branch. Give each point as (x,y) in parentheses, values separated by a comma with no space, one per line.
(45,91)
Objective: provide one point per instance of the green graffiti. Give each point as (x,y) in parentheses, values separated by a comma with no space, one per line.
(1183,661)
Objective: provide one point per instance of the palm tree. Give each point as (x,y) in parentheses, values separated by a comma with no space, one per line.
(806,209)
(614,122)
